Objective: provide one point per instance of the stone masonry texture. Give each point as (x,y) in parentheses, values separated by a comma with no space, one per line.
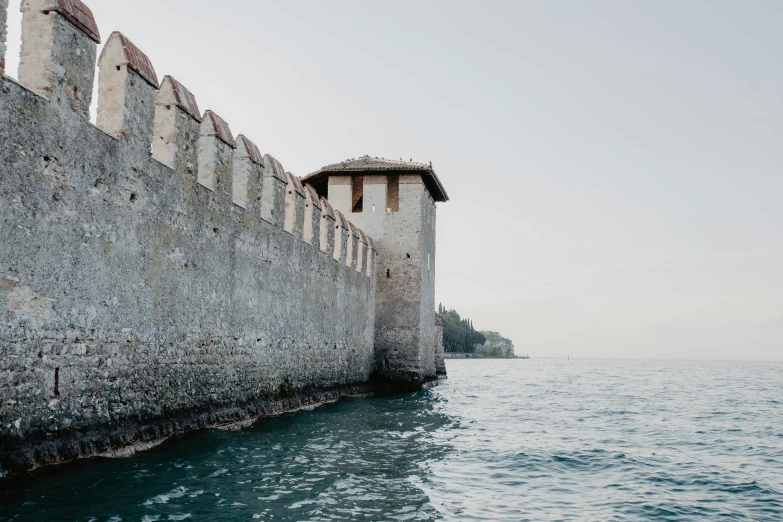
(130,297)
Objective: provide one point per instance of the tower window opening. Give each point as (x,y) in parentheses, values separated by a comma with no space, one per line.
(57,382)
(392,194)
(357,193)
(388,274)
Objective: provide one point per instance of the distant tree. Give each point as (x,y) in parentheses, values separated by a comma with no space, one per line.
(459,336)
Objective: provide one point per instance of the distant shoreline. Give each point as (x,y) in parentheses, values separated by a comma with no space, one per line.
(452,355)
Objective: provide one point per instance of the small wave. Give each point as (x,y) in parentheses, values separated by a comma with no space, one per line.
(297,505)
(164,498)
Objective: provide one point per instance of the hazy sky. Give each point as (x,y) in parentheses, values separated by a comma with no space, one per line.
(615,167)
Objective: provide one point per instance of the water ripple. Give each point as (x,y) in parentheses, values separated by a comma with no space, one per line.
(500,440)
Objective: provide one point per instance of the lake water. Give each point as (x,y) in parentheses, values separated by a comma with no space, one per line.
(500,440)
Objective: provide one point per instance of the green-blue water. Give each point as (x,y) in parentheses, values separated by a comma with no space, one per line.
(500,440)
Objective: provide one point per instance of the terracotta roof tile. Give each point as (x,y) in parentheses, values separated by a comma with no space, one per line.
(297,183)
(220,129)
(135,59)
(277,168)
(252,151)
(183,98)
(75,12)
(312,195)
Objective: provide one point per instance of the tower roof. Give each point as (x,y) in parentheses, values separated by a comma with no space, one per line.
(366,164)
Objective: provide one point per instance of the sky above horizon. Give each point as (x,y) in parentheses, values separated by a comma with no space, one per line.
(614,167)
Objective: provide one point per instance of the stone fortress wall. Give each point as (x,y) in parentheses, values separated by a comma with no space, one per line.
(146,294)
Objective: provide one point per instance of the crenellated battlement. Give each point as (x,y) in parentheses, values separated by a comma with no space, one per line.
(59,45)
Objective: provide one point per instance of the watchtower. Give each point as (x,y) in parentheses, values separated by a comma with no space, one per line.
(394,202)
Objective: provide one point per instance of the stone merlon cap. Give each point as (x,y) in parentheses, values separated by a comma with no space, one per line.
(277,168)
(296,182)
(363,237)
(73,10)
(174,93)
(248,147)
(353,229)
(339,219)
(369,165)
(220,129)
(312,195)
(370,243)
(326,209)
(132,57)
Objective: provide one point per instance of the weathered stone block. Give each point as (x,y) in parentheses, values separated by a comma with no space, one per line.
(216,156)
(58,52)
(177,129)
(247,184)
(274,192)
(294,206)
(312,217)
(127,89)
(327,228)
